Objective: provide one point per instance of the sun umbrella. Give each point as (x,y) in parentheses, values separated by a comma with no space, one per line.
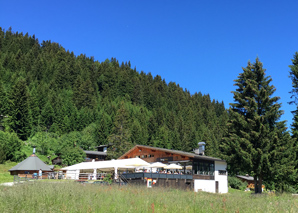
(157,165)
(135,162)
(188,167)
(173,166)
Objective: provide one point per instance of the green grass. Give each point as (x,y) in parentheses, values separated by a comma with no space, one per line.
(4,173)
(74,197)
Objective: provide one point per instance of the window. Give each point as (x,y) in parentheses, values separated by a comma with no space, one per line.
(203,167)
(222,172)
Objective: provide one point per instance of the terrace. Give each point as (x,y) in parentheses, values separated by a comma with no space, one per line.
(144,175)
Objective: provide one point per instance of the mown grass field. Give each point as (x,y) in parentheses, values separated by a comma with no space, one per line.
(74,197)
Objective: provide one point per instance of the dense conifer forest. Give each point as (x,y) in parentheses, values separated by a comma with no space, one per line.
(63,103)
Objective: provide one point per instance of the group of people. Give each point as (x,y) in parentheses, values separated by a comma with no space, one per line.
(171,172)
(176,172)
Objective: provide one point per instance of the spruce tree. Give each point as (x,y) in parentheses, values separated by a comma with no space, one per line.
(4,105)
(47,117)
(120,140)
(294,92)
(283,170)
(21,120)
(253,135)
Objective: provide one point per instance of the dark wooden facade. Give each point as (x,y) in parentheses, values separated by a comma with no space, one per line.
(29,174)
(152,154)
(57,161)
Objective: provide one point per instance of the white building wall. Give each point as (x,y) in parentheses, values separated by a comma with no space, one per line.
(204,185)
(73,174)
(222,179)
(210,185)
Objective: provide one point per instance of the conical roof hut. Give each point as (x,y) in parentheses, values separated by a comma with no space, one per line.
(30,165)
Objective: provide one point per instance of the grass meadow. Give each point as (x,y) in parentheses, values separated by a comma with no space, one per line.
(4,173)
(42,196)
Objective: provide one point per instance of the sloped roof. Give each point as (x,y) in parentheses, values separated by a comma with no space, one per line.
(95,153)
(245,177)
(31,163)
(187,154)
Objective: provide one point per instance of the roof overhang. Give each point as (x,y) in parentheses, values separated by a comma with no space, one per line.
(178,152)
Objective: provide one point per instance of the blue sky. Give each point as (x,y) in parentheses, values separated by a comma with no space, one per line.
(200,45)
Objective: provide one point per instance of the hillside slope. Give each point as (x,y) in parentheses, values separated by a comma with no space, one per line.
(59,101)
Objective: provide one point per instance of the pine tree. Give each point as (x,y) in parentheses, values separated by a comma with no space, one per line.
(104,128)
(47,117)
(294,92)
(4,105)
(21,119)
(120,139)
(283,159)
(252,136)
(34,109)
(83,94)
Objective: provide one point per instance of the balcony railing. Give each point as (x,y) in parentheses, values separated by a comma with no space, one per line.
(156,175)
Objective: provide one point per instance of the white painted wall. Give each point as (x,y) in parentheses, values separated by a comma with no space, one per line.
(222,179)
(73,174)
(209,185)
(204,185)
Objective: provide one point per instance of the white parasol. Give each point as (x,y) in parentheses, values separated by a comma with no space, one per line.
(135,162)
(173,166)
(157,165)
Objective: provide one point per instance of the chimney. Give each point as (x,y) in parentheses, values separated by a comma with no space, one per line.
(201,149)
(33,154)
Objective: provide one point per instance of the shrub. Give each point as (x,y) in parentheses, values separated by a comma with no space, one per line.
(236,183)
(108,178)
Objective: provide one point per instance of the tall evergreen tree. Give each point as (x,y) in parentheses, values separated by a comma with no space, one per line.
(253,137)
(4,105)
(283,171)
(294,92)
(120,139)
(21,120)
(47,117)
(34,109)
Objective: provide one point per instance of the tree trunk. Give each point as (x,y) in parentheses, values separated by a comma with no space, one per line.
(258,184)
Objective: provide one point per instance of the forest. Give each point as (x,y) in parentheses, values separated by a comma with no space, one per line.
(64,104)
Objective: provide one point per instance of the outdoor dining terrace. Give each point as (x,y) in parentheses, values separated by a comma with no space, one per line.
(144,175)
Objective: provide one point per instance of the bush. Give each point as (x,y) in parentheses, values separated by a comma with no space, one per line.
(236,183)
(108,178)
(10,146)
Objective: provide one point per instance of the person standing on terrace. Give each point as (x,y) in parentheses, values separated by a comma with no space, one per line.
(40,174)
